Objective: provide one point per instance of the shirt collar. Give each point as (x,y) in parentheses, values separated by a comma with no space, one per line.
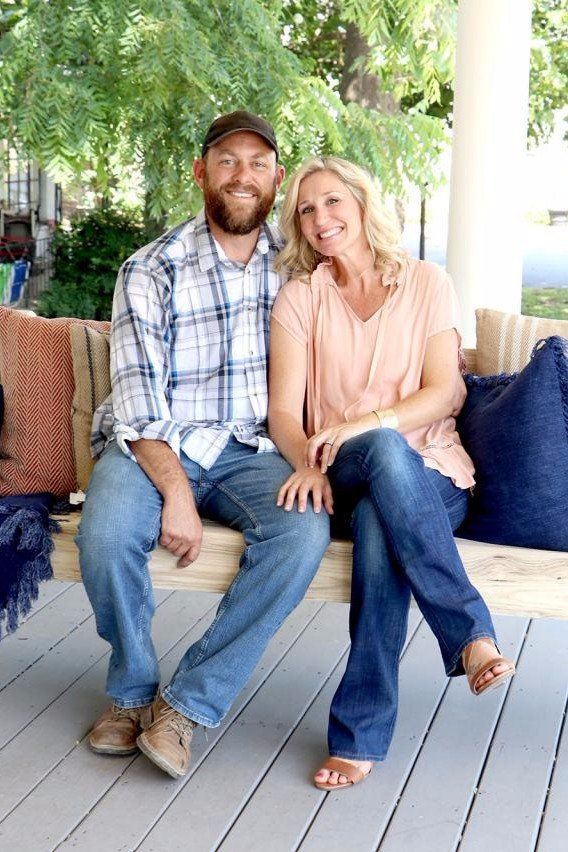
(322,274)
(209,252)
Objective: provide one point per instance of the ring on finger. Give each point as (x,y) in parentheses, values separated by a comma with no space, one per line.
(330,443)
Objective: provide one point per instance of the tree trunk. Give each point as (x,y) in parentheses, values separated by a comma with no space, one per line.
(358,86)
(152,226)
(422,248)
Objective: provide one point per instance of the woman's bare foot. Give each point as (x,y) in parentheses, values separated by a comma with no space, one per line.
(327,776)
(476,655)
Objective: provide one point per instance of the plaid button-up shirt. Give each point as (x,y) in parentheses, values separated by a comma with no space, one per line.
(189,345)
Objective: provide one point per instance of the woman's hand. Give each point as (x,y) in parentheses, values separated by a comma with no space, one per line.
(300,484)
(328,441)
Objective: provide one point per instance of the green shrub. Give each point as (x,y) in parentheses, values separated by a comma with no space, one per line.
(86,260)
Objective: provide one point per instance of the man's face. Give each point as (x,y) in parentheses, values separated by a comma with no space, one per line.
(239,178)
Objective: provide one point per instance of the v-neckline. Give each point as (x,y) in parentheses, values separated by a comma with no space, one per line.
(356,315)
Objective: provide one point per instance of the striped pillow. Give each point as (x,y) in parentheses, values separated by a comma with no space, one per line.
(36,447)
(90,353)
(505,341)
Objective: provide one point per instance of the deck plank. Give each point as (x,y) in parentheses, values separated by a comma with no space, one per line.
(137,791)
(285,801)
(435,802)
(554,828)
(46,741)
(218,791)
(65,607)
(356,819)
(52,787)
(513,787)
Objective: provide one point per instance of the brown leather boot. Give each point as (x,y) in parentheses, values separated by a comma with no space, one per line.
(166,740)
(115,732)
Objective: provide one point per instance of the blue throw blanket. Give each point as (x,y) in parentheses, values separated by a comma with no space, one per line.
(25,546)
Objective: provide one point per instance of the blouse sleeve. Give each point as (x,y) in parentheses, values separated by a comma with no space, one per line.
(292,310)
(445,308)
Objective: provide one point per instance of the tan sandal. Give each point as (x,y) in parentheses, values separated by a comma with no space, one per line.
(475,667)
(353,774)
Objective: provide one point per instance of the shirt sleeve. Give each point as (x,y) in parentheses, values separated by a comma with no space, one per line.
(445,308)
(140,358)
(292,310)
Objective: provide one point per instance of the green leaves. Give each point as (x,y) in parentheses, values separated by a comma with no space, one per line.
(121,91)
(87,258)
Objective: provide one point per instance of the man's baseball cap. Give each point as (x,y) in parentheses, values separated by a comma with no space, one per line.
(239,120)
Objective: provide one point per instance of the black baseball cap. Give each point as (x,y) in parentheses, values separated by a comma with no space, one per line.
(239,120)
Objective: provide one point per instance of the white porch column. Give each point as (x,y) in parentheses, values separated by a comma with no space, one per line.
(484,253)
(47,213)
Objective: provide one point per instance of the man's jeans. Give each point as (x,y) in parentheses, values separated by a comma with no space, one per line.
(402,515)
(121,525)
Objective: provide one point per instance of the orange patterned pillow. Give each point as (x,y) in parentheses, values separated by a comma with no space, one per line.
(36,372)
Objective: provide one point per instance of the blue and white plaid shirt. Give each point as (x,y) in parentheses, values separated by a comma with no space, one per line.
(189,345)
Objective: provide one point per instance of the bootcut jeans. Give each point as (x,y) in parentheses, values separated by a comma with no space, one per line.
(402,515)
(120,526)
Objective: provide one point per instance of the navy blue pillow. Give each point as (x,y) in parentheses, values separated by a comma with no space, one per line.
(515,428)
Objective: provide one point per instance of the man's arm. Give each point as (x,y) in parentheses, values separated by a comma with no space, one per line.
(144,426)
(140,357)
(181,525)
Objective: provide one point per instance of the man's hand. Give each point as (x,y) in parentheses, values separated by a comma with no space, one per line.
(182,529)
(299,485)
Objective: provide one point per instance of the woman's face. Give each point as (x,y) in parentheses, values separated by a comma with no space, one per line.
(330,217)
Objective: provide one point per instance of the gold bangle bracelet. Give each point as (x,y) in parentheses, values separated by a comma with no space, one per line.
(387,417)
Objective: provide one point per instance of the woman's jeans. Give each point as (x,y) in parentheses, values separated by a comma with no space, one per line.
(121,525)
(402,515)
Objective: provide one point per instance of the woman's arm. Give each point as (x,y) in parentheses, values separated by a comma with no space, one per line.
(286,392)
(442,394)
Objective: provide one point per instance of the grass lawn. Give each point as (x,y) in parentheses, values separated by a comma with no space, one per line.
(549,302)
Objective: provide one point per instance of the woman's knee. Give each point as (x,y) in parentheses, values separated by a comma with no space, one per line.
(388,454)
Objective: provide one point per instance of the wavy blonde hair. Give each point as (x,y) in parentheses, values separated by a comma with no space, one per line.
(379,227)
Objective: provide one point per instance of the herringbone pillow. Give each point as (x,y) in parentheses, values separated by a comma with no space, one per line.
(505,341)
(36,447)
(91,354)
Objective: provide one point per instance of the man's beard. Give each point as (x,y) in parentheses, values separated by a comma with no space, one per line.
(232,220)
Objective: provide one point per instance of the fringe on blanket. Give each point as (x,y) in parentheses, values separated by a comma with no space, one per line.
(25,548)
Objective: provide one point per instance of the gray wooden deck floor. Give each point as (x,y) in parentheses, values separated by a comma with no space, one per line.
(485,774)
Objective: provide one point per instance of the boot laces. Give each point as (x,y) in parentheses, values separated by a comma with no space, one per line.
(181,724)
(132,713)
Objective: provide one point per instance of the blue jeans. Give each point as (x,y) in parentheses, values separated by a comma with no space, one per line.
(121,525)
(402,515)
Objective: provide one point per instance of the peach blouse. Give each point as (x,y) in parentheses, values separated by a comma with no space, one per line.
(355,366)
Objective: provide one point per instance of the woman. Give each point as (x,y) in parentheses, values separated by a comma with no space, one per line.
(368,339)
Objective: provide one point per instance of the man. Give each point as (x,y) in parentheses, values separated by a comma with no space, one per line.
(183,436)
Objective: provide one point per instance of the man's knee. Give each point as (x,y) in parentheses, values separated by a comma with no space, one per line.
(307,529)
(120,518)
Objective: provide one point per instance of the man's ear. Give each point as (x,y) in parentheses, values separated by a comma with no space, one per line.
(199,171)
(280,175)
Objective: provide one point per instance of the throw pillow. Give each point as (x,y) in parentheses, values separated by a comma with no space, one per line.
(36,448)
(90,354)
(505,341)
(515,428)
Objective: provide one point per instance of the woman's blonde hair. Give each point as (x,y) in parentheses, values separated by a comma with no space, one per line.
(379,227)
